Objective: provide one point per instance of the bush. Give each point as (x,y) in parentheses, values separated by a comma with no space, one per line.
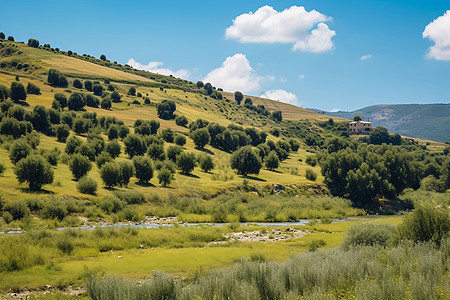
(111,204)
(156,151)
(115,97)
(65,245)
(33,89)
(18,209)
(272,162)
(61,99)
(2,168)
(113,148)
(2,36)
(17,91)
(62,131)
(19,150)
(180,140)
(277,115)
(91,101)
(186,162)
(103,158)
(11,38)
(88,85)
(35,171)
(147,101)
(426,224)
(77,84)
(132,91)
(105,104)
(97,89)
(72,144)
(79,165)
(245,161)
(131,197)
(368,235)
(143,168)
(311,175)
(110,174)
(238,97)
(167,134)
(200,137)
(33,43)
(164,177)
(76,101)
(134,145)
(206,163)
(126,172)
(4,92)
(181,121)
(7,217)
(173,151)
(55,78)
(165,109)
(87,185)
(103,57)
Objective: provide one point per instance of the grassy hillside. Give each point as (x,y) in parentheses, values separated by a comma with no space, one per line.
(424,121)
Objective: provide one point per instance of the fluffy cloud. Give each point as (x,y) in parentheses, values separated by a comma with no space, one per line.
(438,31)
(293,25)
(366,57)
(155,67)
(281,95)
(235,74)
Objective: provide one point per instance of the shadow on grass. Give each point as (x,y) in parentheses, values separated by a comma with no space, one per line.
(41,191)
(22,103)
(145,184)
(189,175)
(205,151)
(254,178)
(274,171)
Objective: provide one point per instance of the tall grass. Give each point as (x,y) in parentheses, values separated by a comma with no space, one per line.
(407,271)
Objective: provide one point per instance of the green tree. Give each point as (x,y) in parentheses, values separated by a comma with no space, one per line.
(181,121)
(200,137)
(55,78)
(208,88)
(61,99)
(245,161)
(248,101)
(186,162)
(4,93)
(87,185)
(180,140)
(103,57)
(238,97)
(199,83)
(143,167)
(76,101)
(173,151)
(206,162)
(165,177)
(79,165)
(97,89)
(126,171)
(272,162)
(72,144)
(19,150)
(115,97)
(357,118)
(77,84)
(165,109)
(132,91)
(134,145)
(18,91)
(88,85)
(156,151)
(35,171)
(2,36)
(105,104)
(33,89)
(379,135)
(62,131)
(167,135)
(33,43)
(113,148)
(277,115)
(110,174)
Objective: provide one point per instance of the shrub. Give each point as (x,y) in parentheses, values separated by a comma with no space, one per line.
(18,209)
(35,171)
(180,140)
(17,91)
(126,172)
(88,85)
(33,89)
(33,43)
(19,150)
(77,84)
(115,97)
(79,165)
(110,87)
(245,161)
(310,175)
(113,148)
(206,163)
(272,162)
(238,97)
(200,84)
(2,36)
(167,134)
(200,137)
(164,177)
(103,57)
(165,109)
(11,38)
(277,115)
(87,185)
(7,217)
(103,158)
(132,91)
(131,197)
(134,145)
(426,224)
(368,234)
(111,204)
(61,99)
(156,151)
(173,151)
(181,121)
(65,245)
(110,174)
(186,162)
(147,101)
(97,89)
(2,168)
(143,168)
(105,104)
(55,78)
(4,92)
(72,144)
(76,101)
(91,101)
(52,156)
(61,131)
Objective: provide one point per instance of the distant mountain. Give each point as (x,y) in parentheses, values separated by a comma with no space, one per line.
(425,121)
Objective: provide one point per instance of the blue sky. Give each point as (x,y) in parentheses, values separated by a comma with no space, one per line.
(306,58)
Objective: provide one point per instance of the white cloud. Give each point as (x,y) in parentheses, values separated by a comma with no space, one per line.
(335,110)
(301,76)
(438,31)
(366,57)
(293,25)
(281,95)
(155,67)
(236,74)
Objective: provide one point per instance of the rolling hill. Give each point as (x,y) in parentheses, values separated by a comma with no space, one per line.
(424,121)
